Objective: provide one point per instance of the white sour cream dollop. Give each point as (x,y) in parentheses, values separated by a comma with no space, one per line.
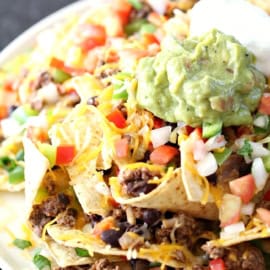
(247,23)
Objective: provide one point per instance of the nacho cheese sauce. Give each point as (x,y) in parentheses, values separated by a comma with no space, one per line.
(246,22)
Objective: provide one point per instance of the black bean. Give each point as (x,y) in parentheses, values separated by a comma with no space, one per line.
(151,216)
(139,264)
(111,237)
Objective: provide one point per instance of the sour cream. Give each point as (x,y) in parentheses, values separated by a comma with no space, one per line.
(247,23)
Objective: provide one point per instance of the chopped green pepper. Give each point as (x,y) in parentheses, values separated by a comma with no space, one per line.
(59,75)
(21,243)
(41,262)
(81,252)
(7,163)
(16,176)
(222,156)
(22,113)
(211,129)
(136,4)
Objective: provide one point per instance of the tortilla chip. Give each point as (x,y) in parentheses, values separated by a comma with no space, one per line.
(168,195)
(66,256)
(91,200)
(196,187)
(164,253)
(36,166)
(255,229)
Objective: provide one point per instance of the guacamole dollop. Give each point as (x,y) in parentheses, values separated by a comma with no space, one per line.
(201,79)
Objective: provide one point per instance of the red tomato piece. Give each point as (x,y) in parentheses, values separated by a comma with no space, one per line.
(230,208)
(117,118)
(64,154)
(264,215)
(59,64)
(266,196)
(158,123)
(123,8)
(148,39)
(244,187)
(217,264)
(121,147)
(3,111)
(103,225)
(163,154)
(92,36)
(264,106)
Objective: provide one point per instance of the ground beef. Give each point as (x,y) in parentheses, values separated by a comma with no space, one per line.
(75,267)
(181,230)
(140,13)
(135,181)
(239,257)
(47,210)
(234,167)
(43,79)
(139,265)
(104,264)
(38,219)
(92,218)
(68,219)
(119,214)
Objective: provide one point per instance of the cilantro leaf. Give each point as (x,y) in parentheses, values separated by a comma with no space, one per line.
(245,150)
(21,243)
(41,262)
(81,252)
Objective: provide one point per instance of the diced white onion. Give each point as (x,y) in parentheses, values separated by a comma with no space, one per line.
(232,230)
(160,136)
(259,173)
(102,188)
(235,228)
(207,166)
(261,121)
(215,142)
(37,121)
(49,93)
(258,150)
(248,209)
(199,150)
(10,127)
(158,6)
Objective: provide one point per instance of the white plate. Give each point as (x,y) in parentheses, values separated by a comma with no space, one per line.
(12,205)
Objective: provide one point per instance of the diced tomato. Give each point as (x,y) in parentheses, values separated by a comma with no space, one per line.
(103,225)
(163,154)
(37,134)
(264,106)
(3,111)
(133,53)
(266,196)
(113,24)
(217,264)
(123,8)
(158,123)
(64,154)
(244,187)
(93,36)
(148,39)
(229,212)
(196,134)
(59,64)
(264,215)
(117,118)
(113,202)
(121,147)
(8,85)
(156,19)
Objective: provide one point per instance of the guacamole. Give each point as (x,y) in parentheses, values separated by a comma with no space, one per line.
(202,79)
